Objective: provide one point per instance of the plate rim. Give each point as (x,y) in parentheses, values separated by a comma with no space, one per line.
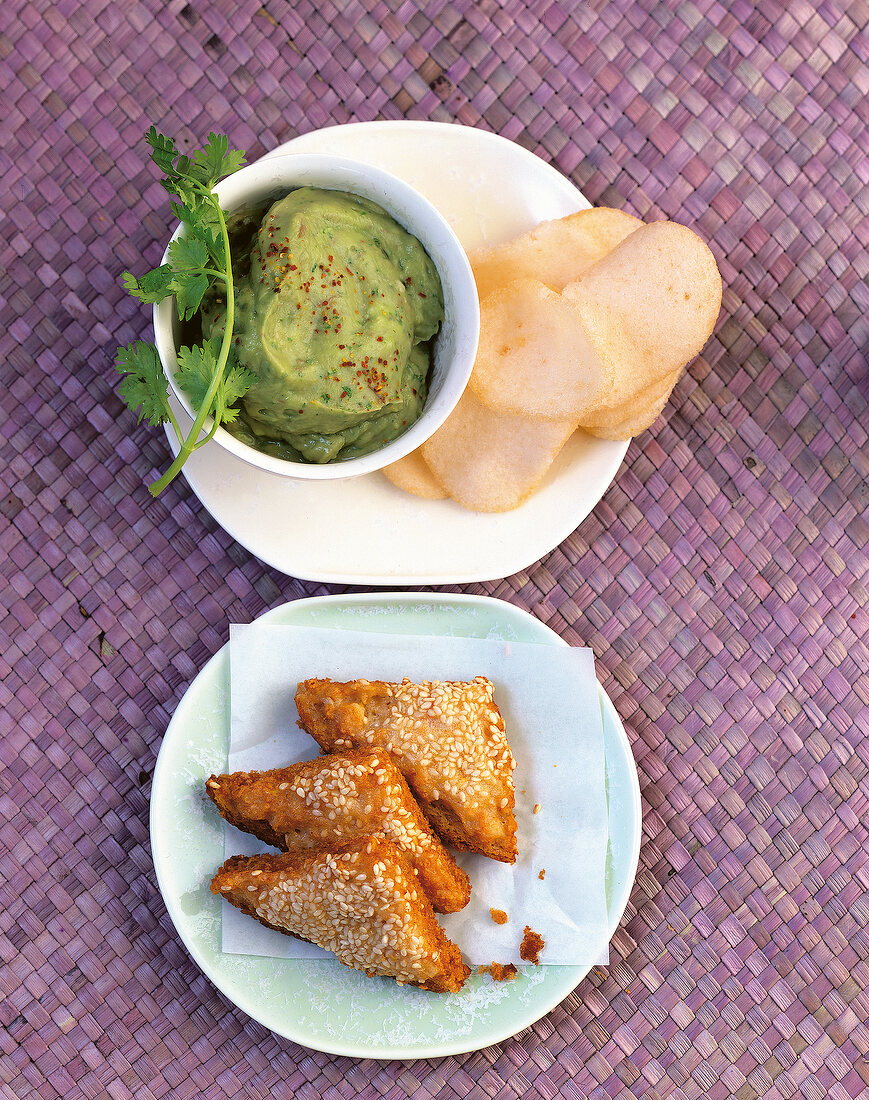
(565,523)
(572,975)
(430,125)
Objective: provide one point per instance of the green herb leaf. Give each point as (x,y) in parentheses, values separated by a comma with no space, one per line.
(215,161)
(237,381)
(196,367)
(154,285)
(189,291)
(189,258)
(201,223)
(188,254)
(144,388)
(164,151)
(196,261)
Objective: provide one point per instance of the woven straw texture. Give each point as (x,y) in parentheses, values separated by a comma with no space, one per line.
(722,581)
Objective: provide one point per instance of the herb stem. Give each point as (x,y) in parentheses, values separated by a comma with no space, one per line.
(174,423)
(192,441)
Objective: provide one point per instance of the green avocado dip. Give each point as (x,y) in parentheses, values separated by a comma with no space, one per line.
(335,309)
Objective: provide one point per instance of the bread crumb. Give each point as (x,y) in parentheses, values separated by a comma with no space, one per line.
(501,972)
(542,874)
(531,946)
(537,808)
(499,916)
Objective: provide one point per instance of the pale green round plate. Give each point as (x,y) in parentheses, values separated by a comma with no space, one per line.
(321,1003)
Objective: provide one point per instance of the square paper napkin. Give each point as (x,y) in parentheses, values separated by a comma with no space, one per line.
(549,698)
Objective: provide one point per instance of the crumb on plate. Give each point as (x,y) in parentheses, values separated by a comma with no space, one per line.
(531,946)
(501,972)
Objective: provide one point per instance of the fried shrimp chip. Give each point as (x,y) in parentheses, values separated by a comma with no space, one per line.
(535,358)
(631,321)
(554,252)
(633,415)
(412,474)
(648,307)
(490,461)
(632,424)
(586,321)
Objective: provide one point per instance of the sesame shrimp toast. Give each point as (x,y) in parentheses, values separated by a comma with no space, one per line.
(447,739)
(357,898)
(335,797)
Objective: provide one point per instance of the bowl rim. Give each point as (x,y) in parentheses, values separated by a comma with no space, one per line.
(461,301)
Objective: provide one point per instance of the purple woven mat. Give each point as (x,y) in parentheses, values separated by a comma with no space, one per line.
(722,581)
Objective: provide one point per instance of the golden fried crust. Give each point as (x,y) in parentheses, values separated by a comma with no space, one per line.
(357,898)
(447,739)
(341,795)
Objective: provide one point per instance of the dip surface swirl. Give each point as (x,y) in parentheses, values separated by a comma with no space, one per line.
(334,315)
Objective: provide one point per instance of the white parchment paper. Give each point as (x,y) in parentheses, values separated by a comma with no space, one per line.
(549,698)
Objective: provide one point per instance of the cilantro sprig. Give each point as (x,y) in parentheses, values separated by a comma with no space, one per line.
(198,260)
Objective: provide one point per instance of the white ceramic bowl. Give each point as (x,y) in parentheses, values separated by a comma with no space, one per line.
(455,345)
